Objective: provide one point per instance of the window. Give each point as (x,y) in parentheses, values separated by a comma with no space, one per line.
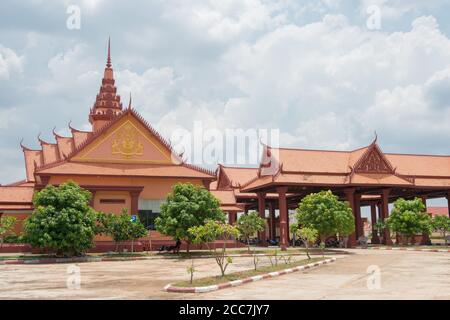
(148,211)
(113,201)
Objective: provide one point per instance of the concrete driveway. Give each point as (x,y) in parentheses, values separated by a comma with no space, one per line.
(402,275)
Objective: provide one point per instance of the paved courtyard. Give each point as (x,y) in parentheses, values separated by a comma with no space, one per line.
(404,275)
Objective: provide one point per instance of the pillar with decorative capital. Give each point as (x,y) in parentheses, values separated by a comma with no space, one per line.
(385,214)
(262,213)
(282,205)
(373,213)
(350,196)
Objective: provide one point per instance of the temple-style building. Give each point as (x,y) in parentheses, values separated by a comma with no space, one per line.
(123,161)
(126,163)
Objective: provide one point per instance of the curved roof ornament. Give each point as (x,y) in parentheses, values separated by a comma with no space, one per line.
(376,137)
(22,146)
(54,132)
(129,102)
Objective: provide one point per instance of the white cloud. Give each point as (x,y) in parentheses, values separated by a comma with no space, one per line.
(226,20)
(72,72)
(8,118)
(10,63)
(310,68)
(152,90)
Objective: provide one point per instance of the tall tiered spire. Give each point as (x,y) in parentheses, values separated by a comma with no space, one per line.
(108,61)
(107,103)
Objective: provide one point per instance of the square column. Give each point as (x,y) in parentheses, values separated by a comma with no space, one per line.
(385,214)
(373,212)
(350,195)
(358,221)
(425,236)
(262,213)
(448,203)
(232,217)
(92,201)
(134,202)
(282,205)
(272,231)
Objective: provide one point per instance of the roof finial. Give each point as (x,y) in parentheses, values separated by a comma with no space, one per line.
(376,137)
(21,144)
(129,103)
(108,61)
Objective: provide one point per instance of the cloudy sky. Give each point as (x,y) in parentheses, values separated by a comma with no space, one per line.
(320,71)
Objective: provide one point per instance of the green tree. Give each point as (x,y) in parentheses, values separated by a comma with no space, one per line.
(211,231)
(324,212)
(187,206)
(6,227)
(308,236)
(408,218)
(62,220)
(137,230)
(121,228)
(441,224)
(249,224)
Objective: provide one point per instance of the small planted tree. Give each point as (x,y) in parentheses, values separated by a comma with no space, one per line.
(308,236)
(211,231)
(191,270)
(441,224)
(118,228)
(324,212)
(408,218)
(137,230)
(121,228)
(63,220)
(6,227)
(249,224)
(187,206)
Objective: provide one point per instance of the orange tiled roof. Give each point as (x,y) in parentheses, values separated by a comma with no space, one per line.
(233,177)
(116,169)
(438,211)
(16,195)
(300,166)
(226,197)
(420,165)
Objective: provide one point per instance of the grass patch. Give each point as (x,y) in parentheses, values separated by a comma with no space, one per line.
(126,254)
(25,257)
(268,251)
(208,281)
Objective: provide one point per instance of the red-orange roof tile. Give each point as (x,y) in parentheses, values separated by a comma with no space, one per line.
(113,169)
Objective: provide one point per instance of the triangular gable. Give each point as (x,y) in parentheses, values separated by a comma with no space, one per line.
(223,181)
(127,140)
(373,161)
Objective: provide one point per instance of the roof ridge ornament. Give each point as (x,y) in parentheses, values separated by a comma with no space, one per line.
(108,60)
(376,137)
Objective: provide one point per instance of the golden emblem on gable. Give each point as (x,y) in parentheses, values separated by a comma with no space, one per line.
(126,143)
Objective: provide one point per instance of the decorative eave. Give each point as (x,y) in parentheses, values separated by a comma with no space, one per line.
(72,129)
(25,148)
